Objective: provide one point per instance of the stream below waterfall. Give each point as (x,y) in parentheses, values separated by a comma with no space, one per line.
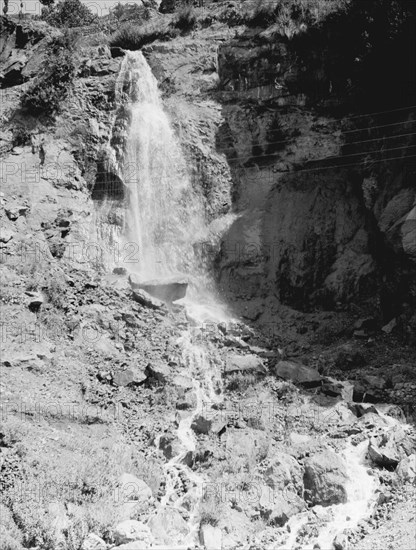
(165,218)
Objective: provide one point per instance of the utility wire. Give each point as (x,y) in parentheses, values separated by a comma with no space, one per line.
(290,141)
(247,157)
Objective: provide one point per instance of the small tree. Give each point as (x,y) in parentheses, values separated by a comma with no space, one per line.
(6,7)
(69,13)
(47,3)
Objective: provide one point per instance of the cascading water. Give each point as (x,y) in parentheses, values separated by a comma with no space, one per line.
(165,217)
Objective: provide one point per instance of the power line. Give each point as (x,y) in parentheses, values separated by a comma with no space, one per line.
(267,143)
(350,164)
(247,157)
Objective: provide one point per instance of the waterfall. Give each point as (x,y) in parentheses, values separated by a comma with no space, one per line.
(165,215)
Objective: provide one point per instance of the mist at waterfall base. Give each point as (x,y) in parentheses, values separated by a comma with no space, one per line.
(165,215)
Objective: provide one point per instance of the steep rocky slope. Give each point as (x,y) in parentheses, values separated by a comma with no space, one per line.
(93,383)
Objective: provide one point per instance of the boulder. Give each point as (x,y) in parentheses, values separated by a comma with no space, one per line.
(283,471)
(128,376)
(298,373)
(201,424)
(170,445)
(145,300)
(93,542)
(167,290)
(210,537)
(406,470)
(247,443)
(131,488)
(244,363)
(131,530)
(168,526)
(387,450)
(325,479)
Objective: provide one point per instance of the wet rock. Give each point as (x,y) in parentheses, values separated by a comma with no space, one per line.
(201,424)
(406,470)
(298,373)
(144,299)
(168,526)
(131,488)
(210,537)
(132,530)
(170,445)
(167,290)
(282,472)
(325,479)
(93,542)
(360,409)
(244,363)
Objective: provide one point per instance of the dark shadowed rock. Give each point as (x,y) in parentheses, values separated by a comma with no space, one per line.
(298,373)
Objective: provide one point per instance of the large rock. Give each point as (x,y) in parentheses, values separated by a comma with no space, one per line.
(168,526)
(247,443)
(146,300)
(201,424)
(244,363)
(167,290)
(132,530)
(298,373)
(283,471)
(211,537)
(325,479)
(131,488)
(386,450)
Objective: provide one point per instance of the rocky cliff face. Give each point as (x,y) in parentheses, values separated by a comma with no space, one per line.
(326,204)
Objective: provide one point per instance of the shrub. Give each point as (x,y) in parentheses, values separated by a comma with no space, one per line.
(50,88)
(186,18)
(133,37)
(69,13)
(241,381)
